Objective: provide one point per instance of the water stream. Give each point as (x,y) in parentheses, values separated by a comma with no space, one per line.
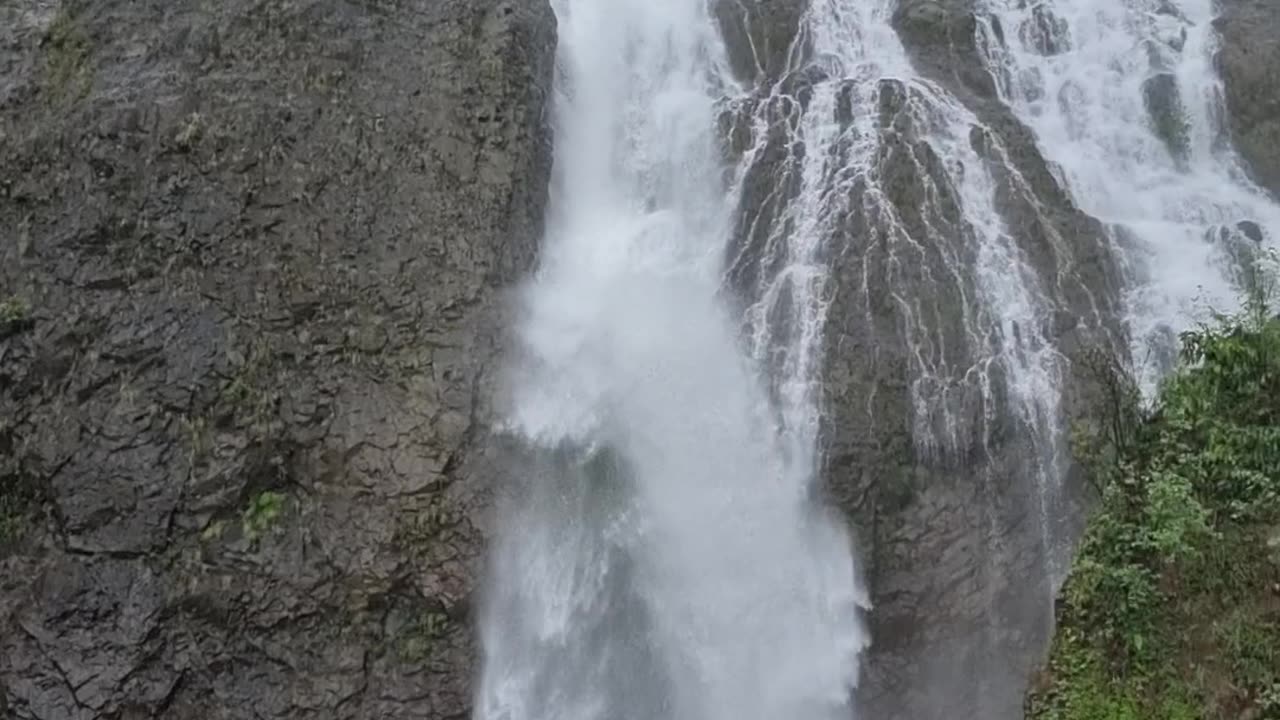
(665,556)
(664,549)
(1125,100)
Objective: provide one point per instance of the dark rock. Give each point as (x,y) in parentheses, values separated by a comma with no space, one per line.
(1168,116)
(1251,230)
(948,31)
(1238,252)
(924,450)
(1045,32)
(1167,7)
(761,36)
(1249,54)
(921,449)
(253,253)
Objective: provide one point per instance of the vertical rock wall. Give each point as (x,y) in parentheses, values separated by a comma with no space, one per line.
(251,260)
(1248,61)
(926,451)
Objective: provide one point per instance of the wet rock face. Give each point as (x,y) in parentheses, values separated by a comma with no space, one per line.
(1168,116)
(1045,31)
(923,450)
(1247,61)
(942,33)
(759,34)
(961,559)
(964,559)
(250,274)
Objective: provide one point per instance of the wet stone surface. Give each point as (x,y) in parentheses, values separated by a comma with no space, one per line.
(251,281)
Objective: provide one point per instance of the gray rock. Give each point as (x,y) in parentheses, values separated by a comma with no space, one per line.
(250,271)
(1044,31)
(1250,52)
(1168,116)
(1238,251)
(1251,230)
(760,35)
(939,492)
(963,608)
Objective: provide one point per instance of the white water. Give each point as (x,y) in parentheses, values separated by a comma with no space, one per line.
(1086,106)
(665,557)
(855,48)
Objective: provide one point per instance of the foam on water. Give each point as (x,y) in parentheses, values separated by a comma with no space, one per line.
(1075,72)
(665,557)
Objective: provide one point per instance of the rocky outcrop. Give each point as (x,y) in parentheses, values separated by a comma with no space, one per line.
(251,255)
(926,450)
(759,35)
(966,550)
(1247,61)
(1168,115)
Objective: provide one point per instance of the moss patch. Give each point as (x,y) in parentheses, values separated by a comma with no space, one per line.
(417,640)
(14,310)
(20,495)
(67,48)
(264,508)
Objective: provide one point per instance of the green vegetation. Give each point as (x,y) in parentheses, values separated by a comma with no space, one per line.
(261,514)
(417,532)
(19,496)
(415,644)
(199,437)
(14,310)
(251,393)
(1173,606)
(213,531)
(13,509)
(67,57)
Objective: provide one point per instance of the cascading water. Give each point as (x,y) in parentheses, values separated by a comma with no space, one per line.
(835,144)
(1124,97)
(663,557)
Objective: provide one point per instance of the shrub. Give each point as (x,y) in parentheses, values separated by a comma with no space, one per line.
(1172,609)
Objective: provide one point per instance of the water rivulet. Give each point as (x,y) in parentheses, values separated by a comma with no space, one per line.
(844,253)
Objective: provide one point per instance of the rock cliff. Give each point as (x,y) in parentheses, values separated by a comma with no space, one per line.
(1247,60)
(251,260)
(926,450)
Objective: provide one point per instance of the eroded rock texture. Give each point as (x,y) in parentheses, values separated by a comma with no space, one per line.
(927,451)
(1248,61)
(251,254)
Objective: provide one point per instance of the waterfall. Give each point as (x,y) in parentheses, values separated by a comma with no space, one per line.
(725,230)
(662,554)
(1124,98)
(843,137)
(836,139)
